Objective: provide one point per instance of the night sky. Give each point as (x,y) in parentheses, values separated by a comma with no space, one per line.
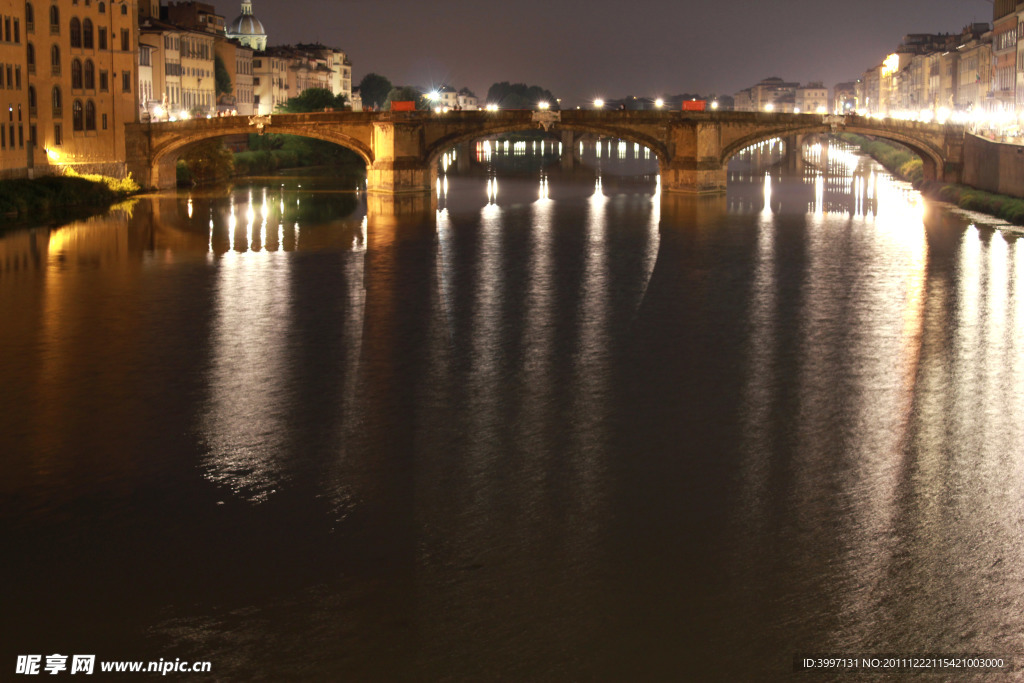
(582,50)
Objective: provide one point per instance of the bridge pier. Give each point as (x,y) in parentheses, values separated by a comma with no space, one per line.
(690,177)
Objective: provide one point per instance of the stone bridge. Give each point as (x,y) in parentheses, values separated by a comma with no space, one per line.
(401,149)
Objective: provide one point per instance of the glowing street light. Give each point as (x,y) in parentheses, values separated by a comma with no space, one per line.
(543,105)
(714,104)
(598,103)
(769,107)
(659,103)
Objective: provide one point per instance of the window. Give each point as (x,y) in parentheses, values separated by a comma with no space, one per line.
(17,77)
(76,74)
(126,81)
(126,43)
(77,116)
(104,120)
(54,20)
(21,137)
(55,60)
(90,115)
(103,8)
(90,75)
(103,38)
(87,34)
(31,100)
(57,138)
(32,135)
(124,9)
(144,56)
(31,58)
(57,111)
(17,31)
(30,18)
(104,82)
(76,32)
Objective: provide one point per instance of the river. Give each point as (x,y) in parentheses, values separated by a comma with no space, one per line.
(557,427)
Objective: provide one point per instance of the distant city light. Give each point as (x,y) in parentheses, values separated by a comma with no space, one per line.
(659,103)
(769,107)
(598,103)
(543,105)
(714,104)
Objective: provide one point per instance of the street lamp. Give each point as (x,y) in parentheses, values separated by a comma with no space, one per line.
(598,103)
(659,103)
(543,105)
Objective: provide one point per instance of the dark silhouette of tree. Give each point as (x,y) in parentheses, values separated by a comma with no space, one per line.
(221,77)
(313,99)
(374,90)
(519,96)
(406,93)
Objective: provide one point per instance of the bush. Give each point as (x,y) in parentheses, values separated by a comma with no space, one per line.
(56,197)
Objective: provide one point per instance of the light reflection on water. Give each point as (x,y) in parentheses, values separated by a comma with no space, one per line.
(571,429)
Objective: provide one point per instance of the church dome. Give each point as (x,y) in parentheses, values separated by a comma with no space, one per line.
(246,25)
(247,29)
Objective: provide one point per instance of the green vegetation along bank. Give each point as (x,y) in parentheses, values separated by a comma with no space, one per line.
(60,198)
(906,165)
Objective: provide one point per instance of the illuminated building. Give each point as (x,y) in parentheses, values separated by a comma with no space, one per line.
(15,149)
(82,74)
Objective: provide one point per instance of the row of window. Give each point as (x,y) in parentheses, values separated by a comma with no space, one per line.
(30,15)
(7,136)
(12,72)
(10,30)
(195,48)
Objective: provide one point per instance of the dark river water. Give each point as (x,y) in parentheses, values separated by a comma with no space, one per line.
(563,428)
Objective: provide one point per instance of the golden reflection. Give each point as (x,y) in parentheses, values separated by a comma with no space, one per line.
(766,212)
(245,420)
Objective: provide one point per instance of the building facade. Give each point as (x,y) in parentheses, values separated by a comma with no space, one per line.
(15,144)
(81,60)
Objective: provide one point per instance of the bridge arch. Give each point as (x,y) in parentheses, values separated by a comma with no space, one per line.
(169,140)
(175,146)
(932,157)
(446,142)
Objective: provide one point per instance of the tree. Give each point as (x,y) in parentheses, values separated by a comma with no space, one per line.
(406,93)
(519,96)
(209,161)
(374,90)
(221,77)
(313,99)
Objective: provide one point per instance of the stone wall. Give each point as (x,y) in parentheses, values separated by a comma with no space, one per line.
(993,166)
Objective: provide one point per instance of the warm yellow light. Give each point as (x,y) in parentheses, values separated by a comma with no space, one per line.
(714,105)
(821,110)
(598,103)
(158,112)
(52,154)
(659,103)
(891,64)
(769,107)
(796,110)
(543,105)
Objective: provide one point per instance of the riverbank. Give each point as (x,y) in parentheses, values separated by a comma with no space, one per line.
(907,166)
(59,199)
